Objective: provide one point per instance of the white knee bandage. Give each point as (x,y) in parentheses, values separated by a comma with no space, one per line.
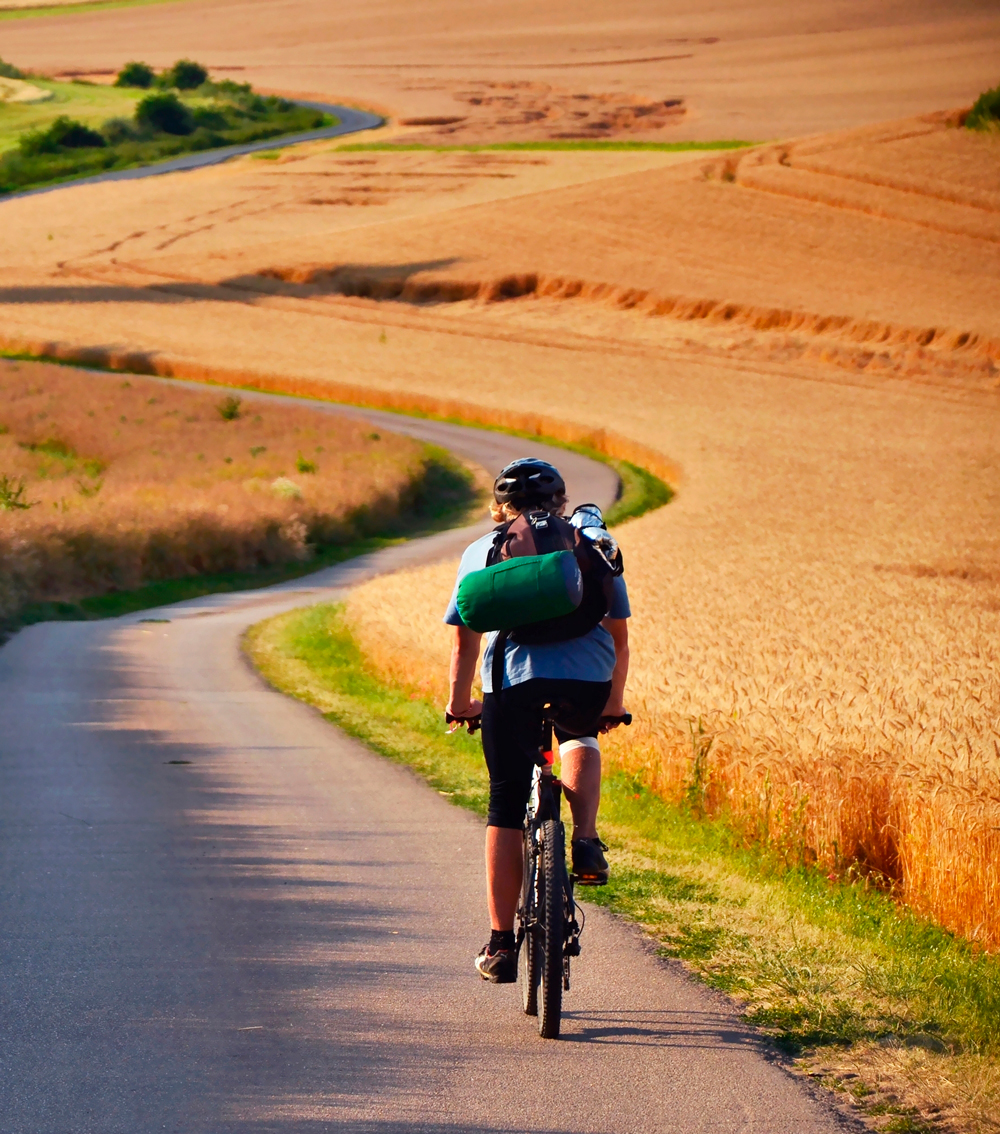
(580,742)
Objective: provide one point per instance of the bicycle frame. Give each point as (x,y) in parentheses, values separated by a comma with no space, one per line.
(544,805)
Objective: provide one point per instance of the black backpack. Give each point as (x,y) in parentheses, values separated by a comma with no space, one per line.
(540,533)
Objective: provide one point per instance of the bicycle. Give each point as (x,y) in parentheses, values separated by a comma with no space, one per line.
(548,932)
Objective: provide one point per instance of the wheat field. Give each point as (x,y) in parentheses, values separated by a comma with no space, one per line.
(107,483)
(829,751)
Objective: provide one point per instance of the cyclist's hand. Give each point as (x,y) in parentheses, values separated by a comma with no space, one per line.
(613,716)
(469,715)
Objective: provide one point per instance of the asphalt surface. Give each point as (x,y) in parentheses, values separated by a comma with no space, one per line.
(350,121)
(218,913)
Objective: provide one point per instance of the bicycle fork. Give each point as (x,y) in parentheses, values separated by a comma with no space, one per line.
(571,926)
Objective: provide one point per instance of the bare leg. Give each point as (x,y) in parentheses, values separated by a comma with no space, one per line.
(581,777)
(504,867)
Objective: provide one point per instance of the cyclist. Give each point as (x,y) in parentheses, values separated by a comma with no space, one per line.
(582,679)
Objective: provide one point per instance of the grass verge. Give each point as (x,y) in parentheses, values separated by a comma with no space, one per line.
(555,144)
(163,592)
(70,9)
(641,491)
(899,1016)
(985,112)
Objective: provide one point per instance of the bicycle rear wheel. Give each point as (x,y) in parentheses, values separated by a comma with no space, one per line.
(552,904)
(528,960)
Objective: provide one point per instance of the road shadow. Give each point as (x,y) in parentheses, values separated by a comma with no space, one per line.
(657,1028)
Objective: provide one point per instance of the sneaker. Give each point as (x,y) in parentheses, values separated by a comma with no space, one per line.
(499,967)
(590,867)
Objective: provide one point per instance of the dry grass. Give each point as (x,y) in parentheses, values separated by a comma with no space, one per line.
(844,756)
(127,481)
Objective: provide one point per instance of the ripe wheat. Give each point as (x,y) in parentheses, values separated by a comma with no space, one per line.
(840,757)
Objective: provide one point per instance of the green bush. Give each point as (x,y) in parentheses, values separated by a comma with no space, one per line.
(63,134)
(136,74)
(229,408)
(210,117)
(164,112)
(9,71)
(185,75)
(118,130)
(985,112)
(235,115)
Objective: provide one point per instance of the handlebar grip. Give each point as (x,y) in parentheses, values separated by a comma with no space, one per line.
(624,719)
(473,723)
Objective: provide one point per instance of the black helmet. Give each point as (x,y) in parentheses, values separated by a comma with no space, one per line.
(527,481)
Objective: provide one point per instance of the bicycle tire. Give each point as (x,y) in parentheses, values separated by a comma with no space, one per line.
(552,900)
(528,960)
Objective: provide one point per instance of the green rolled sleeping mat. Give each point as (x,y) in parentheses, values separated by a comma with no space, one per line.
(518,591)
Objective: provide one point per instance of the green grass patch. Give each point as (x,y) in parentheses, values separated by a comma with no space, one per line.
(985,112)
(828,969)
(641,490)
(555,144)
(88,103)
(163,592)
(70,9)
(74,136)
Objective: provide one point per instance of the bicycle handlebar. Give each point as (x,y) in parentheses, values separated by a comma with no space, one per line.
(625,719)
(475,723)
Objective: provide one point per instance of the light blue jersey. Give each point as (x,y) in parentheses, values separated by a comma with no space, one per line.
(590,658)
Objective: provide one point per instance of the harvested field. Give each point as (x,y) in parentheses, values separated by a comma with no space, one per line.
(762,71)
(108,483)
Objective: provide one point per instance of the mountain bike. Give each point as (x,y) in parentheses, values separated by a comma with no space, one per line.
(548,929)
(549,921)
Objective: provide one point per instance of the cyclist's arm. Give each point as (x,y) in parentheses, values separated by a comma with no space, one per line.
(464,659)
(618,629)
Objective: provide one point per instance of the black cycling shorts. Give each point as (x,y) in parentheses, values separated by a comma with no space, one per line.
(512,734)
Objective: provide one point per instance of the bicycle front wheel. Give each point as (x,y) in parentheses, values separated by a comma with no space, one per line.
(528,960)
(552,903)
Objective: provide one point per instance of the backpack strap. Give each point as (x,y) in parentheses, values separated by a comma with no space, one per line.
(500,538)
(499,658)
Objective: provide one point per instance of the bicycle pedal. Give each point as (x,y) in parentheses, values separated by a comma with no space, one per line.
(590,879)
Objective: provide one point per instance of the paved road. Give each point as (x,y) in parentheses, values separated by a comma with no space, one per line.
(350,121)
(220,914)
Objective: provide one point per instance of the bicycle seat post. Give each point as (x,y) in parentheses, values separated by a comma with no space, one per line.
(548,758)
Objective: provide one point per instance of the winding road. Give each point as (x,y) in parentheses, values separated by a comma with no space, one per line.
(349,121)
(219,913)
